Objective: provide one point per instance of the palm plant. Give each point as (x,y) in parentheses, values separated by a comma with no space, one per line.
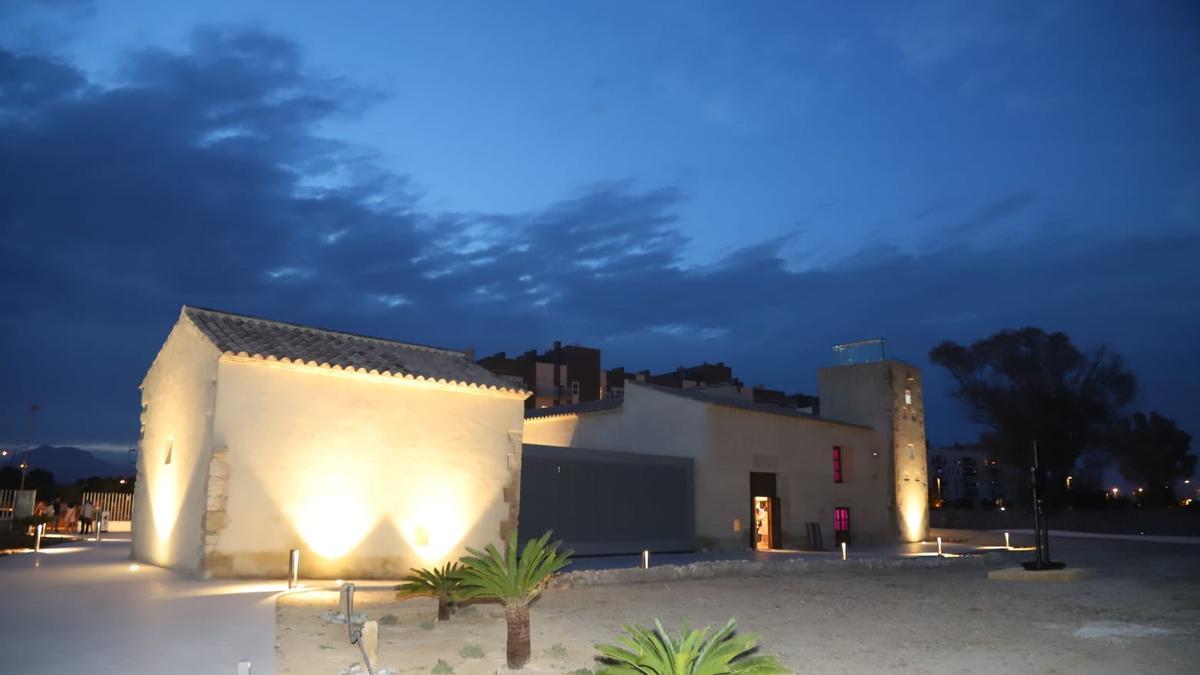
(440,582)
(694,652)
(515,580)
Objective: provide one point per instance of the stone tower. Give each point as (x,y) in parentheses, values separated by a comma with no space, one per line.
(887,396)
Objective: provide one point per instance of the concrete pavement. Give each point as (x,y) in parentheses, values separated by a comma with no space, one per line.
(80,608)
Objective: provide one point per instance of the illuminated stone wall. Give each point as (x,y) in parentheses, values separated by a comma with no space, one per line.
(366,475)
(174,451)
(877,395)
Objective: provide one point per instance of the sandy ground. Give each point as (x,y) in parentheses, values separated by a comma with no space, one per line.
(1139,613)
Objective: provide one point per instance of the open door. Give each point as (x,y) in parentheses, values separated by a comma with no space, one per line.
(765,512)
(763,521)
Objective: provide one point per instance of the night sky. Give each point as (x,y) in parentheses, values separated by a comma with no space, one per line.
(669,182)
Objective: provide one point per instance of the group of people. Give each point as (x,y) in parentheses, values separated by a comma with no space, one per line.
(68,517)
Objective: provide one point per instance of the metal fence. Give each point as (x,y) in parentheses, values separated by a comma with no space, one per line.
(118,504)
(7,499)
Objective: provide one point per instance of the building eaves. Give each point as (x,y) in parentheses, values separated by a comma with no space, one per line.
(603,405)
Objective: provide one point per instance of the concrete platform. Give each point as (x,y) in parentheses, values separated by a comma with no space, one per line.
(1022,574)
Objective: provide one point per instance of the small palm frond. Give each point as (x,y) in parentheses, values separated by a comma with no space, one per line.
(439,581)
(511,576)
(693,652)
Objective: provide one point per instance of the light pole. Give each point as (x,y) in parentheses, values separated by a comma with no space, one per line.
(24,465)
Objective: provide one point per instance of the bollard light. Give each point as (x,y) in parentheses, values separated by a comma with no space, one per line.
(37,537)
(1007,545)
(939,547)
(293,567)
(645,560)
(243,668)
(843,550)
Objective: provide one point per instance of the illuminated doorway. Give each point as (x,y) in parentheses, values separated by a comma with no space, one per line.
(762,523)
(764,512)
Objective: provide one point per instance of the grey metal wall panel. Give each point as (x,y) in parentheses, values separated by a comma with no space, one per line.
(602,502)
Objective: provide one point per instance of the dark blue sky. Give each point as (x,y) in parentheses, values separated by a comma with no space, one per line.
(671,182)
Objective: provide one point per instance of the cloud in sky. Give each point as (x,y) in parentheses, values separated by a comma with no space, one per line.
(202,178)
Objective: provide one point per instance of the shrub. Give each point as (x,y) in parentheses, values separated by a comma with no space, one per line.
(654,652)
(515,580)
(441,668)
(471,652)
(389,620)
(440,582)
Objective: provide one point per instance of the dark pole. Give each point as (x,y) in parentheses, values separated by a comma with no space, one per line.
(1037,509)
(33,408)
(1041,530)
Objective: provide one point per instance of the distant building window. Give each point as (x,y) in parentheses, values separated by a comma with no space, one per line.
(837,464)
(841,519)
(908,397)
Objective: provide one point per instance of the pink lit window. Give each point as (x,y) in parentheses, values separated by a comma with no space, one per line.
(837,464)
(841,519)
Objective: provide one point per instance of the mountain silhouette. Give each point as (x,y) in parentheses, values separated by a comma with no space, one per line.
(69,464)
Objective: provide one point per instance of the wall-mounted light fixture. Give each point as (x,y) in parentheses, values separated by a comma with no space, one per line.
(843,550)
(645,560)
(1007,544)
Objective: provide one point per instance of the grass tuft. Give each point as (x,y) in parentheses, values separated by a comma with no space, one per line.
(389,620)
(442,668)
(557,651)
(470,651)
(426,625)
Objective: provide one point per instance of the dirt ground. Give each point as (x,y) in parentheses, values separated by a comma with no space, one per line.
(1139,613)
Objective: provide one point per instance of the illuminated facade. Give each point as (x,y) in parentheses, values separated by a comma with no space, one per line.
(856,471)
(369,456)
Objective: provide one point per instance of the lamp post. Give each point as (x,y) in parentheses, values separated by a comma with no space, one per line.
(24,466)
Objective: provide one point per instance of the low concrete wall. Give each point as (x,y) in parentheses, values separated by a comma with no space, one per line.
(746,568)
(1173,522)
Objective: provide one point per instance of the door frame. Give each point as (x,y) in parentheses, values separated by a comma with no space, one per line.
(764,484)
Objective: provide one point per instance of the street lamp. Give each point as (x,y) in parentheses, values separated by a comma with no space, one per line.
(1068,482)
(24,465)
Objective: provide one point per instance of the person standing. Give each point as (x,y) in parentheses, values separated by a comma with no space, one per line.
(71,517)
(86,515)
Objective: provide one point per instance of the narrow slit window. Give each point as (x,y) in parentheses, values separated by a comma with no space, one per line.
(170,449)
(837,464)
(908,397)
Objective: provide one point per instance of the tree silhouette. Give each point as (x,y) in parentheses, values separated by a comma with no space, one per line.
(1152,452)
(1028,385)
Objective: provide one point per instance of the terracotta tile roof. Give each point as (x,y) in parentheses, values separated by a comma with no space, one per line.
(290,343)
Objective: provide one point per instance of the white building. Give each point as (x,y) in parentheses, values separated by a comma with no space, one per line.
(858,471)
(369,456)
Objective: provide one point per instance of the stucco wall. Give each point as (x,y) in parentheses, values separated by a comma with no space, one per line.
(872,394)
(637,426)
(366,475)
(728,444)
(177,400)
(800,454)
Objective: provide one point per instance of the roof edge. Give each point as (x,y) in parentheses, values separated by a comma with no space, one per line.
(271,360)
